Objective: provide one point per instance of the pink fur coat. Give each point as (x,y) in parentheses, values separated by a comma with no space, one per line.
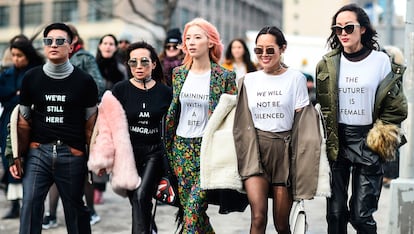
(111,147)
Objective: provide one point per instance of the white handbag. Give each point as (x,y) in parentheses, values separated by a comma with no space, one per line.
(297,218)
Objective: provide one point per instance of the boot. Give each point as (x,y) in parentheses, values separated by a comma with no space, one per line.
(14,212)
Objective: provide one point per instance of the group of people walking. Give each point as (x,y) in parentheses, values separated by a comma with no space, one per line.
(68,122)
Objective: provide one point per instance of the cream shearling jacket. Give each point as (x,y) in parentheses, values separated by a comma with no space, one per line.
(218,160)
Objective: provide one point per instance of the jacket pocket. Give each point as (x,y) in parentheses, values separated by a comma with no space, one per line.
(322,83)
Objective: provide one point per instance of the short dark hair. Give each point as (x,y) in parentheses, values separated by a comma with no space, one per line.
(157,73)
(276,32)
(59,26)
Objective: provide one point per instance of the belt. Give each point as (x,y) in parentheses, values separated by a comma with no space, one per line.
(75,152)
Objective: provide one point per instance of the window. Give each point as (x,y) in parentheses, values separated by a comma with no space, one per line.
(218,6)
(65,11)
(185,15)
(4,16)
(33,14)
(159,10)
(99,10)
(93,44)
(3,46)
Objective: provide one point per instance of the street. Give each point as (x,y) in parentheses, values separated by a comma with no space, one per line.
(116,217)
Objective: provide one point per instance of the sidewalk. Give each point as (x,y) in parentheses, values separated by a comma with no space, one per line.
(116,217)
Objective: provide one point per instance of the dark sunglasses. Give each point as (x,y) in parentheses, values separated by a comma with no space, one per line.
(124,41)
(48,41)
(259,51)
(144,61)
(349,28)
(174,47)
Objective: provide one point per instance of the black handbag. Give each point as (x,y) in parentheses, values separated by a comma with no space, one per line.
(167,190)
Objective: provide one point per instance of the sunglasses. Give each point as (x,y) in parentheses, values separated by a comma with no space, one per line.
(124,41)
(144,61)
(349,28)
(260,51)
(168,47)
(48,41)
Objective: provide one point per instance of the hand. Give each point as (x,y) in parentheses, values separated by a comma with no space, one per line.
(101,172)
(16,170)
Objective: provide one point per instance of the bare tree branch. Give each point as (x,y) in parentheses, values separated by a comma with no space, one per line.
(144,16)
(167,11)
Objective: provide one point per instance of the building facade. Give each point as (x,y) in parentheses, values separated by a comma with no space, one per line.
(94,18)
(314,18)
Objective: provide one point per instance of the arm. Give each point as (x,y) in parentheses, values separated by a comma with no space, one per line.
(91,114)
(231,87)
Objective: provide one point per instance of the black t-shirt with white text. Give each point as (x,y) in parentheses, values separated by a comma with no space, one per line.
(58,106)
(144,110)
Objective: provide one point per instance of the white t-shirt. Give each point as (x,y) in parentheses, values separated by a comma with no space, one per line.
(357,84)
(194,98)
(239,70)
(273,99)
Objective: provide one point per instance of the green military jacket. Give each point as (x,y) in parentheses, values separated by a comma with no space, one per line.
(390,102)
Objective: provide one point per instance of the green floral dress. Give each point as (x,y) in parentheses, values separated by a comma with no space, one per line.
(184,153)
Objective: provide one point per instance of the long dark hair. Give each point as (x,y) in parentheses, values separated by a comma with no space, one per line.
(110,68)
(98,51)
(246,56)
(26,47)
(368,39)
(157,73)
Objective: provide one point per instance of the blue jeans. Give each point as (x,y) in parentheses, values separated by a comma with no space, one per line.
(45,165)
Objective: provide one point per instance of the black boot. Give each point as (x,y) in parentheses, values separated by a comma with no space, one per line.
(14,212)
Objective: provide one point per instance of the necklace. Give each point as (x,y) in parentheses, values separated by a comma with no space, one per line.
(143,81)
(278,69)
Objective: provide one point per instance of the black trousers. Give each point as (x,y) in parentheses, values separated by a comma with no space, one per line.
(357,159)
(149,165)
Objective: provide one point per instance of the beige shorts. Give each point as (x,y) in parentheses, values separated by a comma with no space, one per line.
(275,156)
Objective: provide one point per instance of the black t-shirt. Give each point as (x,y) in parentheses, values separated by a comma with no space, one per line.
(144,110)
(58,105)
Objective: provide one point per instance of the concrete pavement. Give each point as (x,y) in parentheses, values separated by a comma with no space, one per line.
(116,217)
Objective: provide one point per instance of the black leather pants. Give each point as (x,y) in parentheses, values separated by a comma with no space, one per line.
(354,157)
(148,160)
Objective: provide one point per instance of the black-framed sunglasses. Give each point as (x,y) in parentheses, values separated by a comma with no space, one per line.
(349,28)
(260,51)
(144,61)
(171,46)
(48,41)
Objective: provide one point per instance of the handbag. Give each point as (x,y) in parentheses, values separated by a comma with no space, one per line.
(167,189)
(297,218)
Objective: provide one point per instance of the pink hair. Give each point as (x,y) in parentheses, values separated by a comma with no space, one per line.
(213,37)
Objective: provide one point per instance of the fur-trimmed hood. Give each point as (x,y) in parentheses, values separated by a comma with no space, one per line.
(111,147)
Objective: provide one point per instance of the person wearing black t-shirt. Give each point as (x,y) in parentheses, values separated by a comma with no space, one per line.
(57,113)
(129,142)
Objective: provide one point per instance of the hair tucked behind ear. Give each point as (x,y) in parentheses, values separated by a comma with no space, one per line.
(157,73)
(213,37)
